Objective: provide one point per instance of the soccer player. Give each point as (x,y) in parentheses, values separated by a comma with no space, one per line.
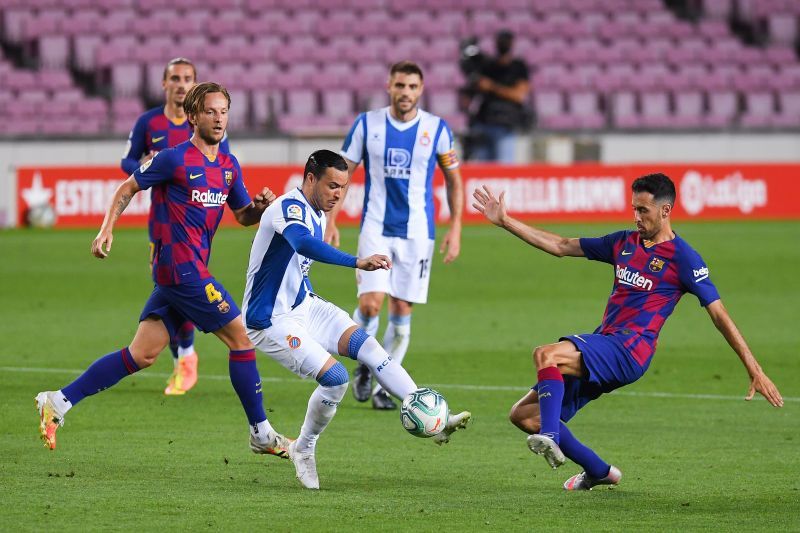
(157,129)
(288,321)
(653,268)
(192,182)
(399,145)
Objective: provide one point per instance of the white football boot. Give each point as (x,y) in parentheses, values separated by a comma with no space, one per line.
(544,445)
(454,423)
(583,481)
(305,465)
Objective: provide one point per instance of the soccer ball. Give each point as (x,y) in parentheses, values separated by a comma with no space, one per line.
(424,413)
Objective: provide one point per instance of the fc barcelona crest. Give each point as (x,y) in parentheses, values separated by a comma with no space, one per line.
(228,177)
(656,264)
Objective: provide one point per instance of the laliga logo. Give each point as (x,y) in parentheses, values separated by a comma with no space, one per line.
(698,192)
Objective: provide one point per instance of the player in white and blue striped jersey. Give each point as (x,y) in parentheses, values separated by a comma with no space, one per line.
(297,328)
(400,146)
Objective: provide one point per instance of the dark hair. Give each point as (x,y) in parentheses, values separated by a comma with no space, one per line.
(179,61)
(196,97)
(659,185)
(406,67)
(321,160)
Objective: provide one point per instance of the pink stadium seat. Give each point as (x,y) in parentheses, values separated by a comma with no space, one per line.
(126,79)
(689,110)
(718,9)
(337,104)
(789,116)
(722,108)
(782,28)
(54,80)
(623,110)
(655,110)
(239,111)
(85,47)
(759,110)
(53,51)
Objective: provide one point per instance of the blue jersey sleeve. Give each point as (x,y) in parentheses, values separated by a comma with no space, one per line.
(238,197)
(157,170)
(300,239)
(135,147)
(602,248)
(694,276)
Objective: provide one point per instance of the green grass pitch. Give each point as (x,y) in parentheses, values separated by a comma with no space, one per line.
(693,454)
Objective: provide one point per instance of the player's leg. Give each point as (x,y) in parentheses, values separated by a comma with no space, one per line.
(395,342)
(371,288)
(553,360)
(184,358)
(367,316)
(150,339)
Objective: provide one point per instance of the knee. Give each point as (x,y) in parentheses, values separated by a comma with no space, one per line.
(369,306)
(335,376)
(542,357)
(145,357)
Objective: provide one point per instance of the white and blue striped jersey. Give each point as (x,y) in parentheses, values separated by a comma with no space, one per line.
(277,276)
(399,160)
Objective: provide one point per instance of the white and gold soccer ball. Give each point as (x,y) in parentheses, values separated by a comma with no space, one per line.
(424,413)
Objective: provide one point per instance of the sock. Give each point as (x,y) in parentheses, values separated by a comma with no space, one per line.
(102,374)
(388,372)
(370,325)
(395,340)
(247,383)
(582,454)
(262,432)
(321,408)
(551,393)
(173,347)
(185,338)
(60,402)
(396,337)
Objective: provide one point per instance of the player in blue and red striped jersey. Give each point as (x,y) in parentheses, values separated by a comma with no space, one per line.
(191,184)
(653,268)
(158,129)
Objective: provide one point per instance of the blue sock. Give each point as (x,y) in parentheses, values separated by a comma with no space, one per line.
(551,393)
(582,454)
(247,383)
(173,347)
(186,335)
(102,374)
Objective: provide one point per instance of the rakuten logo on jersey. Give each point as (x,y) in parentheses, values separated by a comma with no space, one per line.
(632,278)
(208,198)
(699,192)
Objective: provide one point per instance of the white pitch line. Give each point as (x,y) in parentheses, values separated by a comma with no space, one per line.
(458,386)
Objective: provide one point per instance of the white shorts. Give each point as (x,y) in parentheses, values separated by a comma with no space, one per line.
(410,275)
(303,339)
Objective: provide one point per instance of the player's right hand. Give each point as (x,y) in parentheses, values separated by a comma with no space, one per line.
(494,209)
(374,262)
(763,385)
(332,234)
(105,237)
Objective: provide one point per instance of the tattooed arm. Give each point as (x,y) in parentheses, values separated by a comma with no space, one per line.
(122,197)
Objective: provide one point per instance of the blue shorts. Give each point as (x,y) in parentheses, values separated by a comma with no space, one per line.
(205,302)
(608,366)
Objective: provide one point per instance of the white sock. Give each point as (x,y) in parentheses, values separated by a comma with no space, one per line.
(60,402)
(262,432)
(387,371)
(370,325)
(321,407)
(395,340)
(183,352)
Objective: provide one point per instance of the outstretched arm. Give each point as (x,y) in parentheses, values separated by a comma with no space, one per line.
(494,209)
(759,382)
(302,242)
(120,200)
(331,230)
(251,213)
(451,244)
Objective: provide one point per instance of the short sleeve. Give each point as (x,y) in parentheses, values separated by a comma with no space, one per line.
(238,197)
(353,147)
(134,149)
(292,211)
(695,277)
(602,248)
(159,169)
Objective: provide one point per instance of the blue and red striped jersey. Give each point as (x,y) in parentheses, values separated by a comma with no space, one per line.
(189,194)
(153,131)
(649,280)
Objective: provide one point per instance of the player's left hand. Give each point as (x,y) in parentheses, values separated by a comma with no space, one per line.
(264,199)
(763,385)
(451,245)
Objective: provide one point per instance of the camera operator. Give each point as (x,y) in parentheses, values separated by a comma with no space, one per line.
(502,85)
